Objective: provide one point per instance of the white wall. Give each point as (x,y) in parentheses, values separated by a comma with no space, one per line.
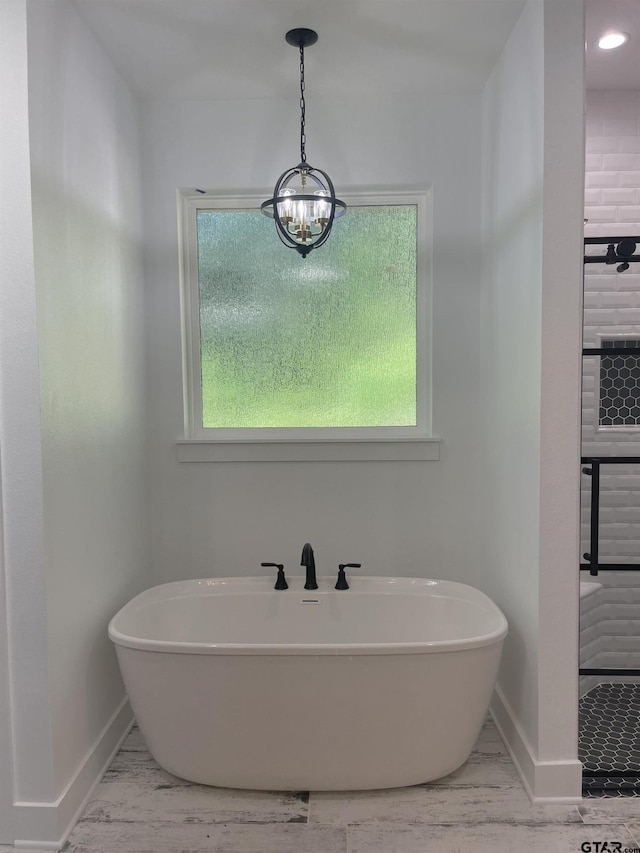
(75,525)
(23,664)
(532,143)
(609,629)
(612,304)
(512,219)
(410,518)
(515,536)
(562,294)
(76,396)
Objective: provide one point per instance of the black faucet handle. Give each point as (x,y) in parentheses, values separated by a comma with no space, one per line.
(281,581)
(342,578)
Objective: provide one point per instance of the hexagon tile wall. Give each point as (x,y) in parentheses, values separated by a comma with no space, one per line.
(620,385)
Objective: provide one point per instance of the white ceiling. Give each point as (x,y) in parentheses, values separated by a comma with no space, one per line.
(613,69)
(225,49)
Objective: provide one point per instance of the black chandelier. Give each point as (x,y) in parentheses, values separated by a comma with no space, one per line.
(304,202)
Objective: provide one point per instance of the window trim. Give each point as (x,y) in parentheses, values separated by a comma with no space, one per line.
(301,443)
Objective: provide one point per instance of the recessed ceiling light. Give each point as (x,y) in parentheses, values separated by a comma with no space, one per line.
(611,40)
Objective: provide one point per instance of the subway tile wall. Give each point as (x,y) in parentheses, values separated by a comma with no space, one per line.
(610,619)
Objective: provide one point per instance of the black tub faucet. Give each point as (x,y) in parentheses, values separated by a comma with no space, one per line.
(308,560)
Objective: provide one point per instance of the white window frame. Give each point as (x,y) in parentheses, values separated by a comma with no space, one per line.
(301,443)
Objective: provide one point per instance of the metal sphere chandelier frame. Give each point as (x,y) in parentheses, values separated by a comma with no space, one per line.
(304,203)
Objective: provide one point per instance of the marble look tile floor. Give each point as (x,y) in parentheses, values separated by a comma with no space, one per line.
(481,808)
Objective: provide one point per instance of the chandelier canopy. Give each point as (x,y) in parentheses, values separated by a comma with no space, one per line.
(304,203)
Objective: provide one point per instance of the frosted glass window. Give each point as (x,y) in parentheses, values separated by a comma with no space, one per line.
(325,341)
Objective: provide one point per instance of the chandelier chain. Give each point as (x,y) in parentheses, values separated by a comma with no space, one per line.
(303,137)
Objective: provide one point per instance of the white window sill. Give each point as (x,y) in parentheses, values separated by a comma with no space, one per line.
(360,450)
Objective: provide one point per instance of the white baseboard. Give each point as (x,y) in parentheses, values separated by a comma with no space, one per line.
(46,826)
(544,781)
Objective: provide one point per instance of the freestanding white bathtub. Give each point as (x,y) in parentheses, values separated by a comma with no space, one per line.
(238,685)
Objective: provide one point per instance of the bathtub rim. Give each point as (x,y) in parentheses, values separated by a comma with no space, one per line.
(264,586)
